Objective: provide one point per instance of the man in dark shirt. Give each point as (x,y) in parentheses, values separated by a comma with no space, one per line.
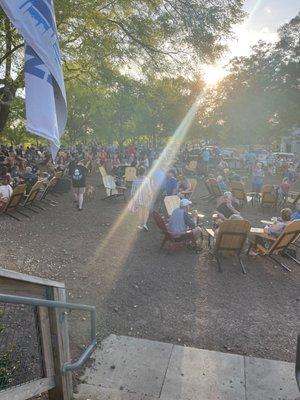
(78,174)
(29,178)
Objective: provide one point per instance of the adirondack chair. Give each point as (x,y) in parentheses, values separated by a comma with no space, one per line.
(171,203)
(238,191)
(192,166)
(189,193)
(173,243)
(31,198)
(279,245)
(215,191)
(230,239)
(14,202)
(268,196)
(112,190)
(130,174)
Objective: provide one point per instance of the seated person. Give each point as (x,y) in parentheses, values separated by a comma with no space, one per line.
(274,231)
(221,183)
(170,183)
(227,206)
(183,184)
(5,191)
(182,222)
(29,178)
(277,228)
(296,214)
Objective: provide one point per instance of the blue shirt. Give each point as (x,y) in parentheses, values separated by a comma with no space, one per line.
(171,186)
(295,215)
(158,179)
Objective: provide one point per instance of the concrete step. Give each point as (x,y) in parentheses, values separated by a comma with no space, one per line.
(126,368)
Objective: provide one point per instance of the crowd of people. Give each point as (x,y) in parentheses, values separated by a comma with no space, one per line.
(157,176)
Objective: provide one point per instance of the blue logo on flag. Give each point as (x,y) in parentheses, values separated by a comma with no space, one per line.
(42,12)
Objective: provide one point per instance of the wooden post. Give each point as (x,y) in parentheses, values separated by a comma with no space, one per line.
(60,347)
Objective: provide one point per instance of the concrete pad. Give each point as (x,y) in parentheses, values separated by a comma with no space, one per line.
(130,365)
(270,380)
(195,374)
(89,392)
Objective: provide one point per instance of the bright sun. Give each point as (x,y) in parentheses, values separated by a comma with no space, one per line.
(212,74)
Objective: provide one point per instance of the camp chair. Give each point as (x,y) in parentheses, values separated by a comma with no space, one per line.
(191,166)
(280,244)
(31,197)
(171,203)
(268,196)
(238,191)
(14,202)
(230,239)
(215,191)
(189,193)
(186,239)
(112,190)
(130,174)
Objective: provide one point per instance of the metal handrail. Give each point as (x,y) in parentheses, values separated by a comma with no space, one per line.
(6,298)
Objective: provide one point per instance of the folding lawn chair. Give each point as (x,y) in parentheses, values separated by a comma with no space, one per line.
(171,203)
(279,245)
(184,240)
(130,174)
(268,196)
(230,239)
(31,197)
(112,190)
(14,202)
(238,191)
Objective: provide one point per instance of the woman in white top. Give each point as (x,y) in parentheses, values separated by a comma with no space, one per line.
(5,192)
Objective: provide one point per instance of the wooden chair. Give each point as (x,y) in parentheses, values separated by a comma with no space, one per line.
(268,196)
(171,203)
(173,243)
(192,166)
(279,245)
(130,174)
(230,239)
(47,190)
(31,197)
(189,193)
(213,186)
(238,191)
(112,190)
(14,202)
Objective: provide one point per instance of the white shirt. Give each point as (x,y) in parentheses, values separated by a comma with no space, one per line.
(5,192)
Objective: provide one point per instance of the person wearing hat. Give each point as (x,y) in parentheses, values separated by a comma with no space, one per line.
(181,221)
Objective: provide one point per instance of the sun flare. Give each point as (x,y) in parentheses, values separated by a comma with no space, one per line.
(212,74)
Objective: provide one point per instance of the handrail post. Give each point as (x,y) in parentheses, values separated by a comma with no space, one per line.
(61,350)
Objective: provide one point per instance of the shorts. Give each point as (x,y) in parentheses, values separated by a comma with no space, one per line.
(79,190)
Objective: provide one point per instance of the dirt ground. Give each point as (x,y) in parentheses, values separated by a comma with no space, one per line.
(140,291)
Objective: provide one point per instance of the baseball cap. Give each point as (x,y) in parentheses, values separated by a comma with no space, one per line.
(185,202)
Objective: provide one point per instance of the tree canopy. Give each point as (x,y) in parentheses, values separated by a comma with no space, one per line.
(259,100)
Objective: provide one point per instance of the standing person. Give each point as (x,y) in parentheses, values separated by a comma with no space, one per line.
(171,183)
(78,174)
(257,178)
(141,200)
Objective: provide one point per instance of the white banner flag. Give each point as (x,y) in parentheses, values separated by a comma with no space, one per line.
(46,107)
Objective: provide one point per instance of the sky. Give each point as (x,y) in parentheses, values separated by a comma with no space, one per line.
(263,19)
